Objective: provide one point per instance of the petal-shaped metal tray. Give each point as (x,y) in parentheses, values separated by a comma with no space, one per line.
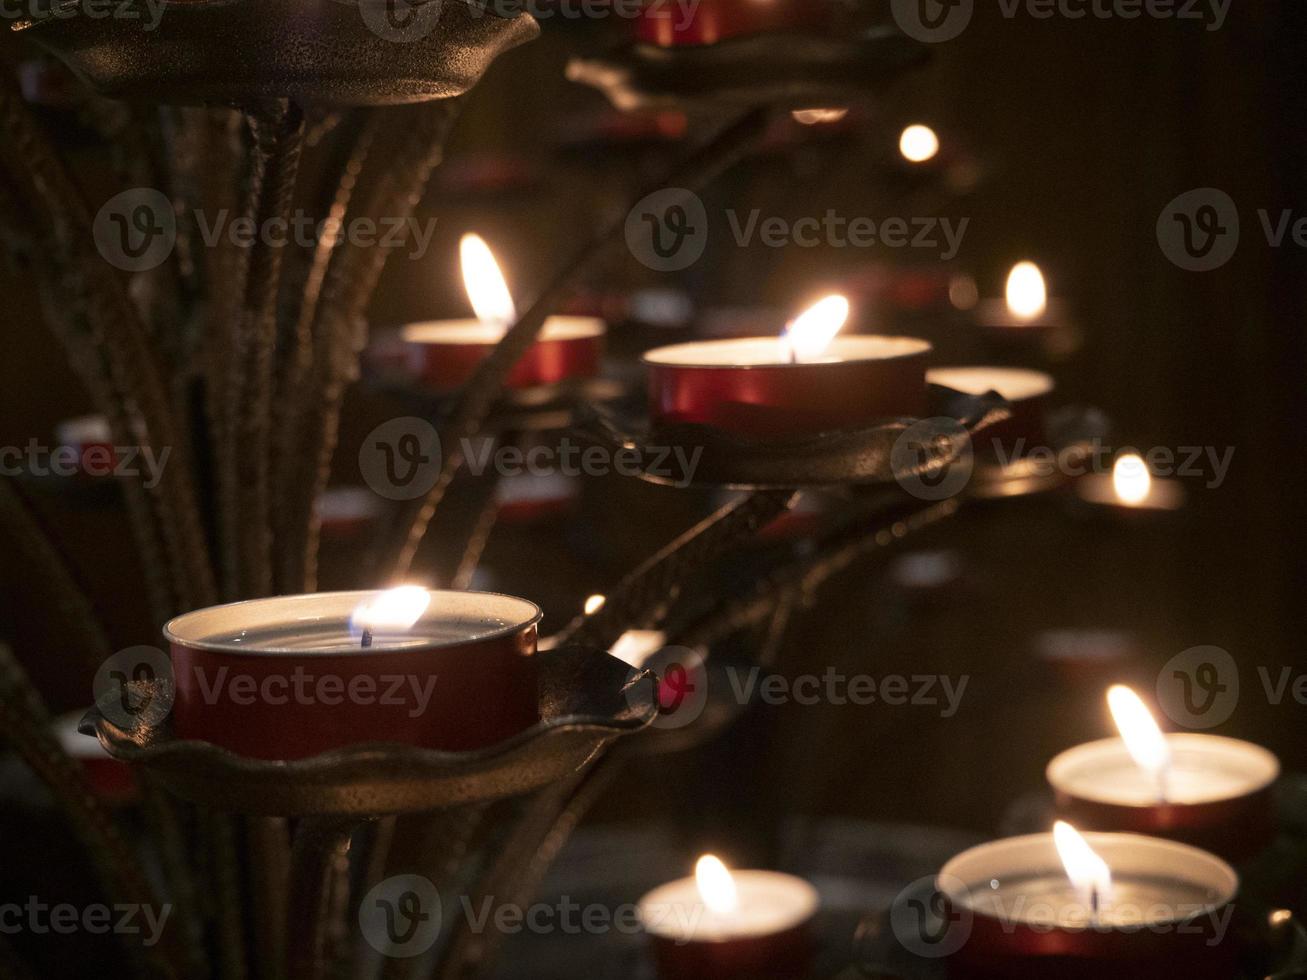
(587,699)
(699,455)
(783,68)
(340,52)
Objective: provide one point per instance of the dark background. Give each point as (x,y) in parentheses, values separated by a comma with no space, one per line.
(1084,131)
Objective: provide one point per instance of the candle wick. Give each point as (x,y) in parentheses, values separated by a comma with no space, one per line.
(367,638)
(1162,780)
(1093,903)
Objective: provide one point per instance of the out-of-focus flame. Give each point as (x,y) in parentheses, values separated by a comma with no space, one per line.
(814,329)
(1131,480)
(819,117)
(1027,293)
(918,143)
(1088,872)
(486,288)
(392,611)
(1143,739)
(716,886)
(594,604)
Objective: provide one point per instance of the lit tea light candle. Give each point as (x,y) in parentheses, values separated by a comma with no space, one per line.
(807,381)
(445,353)
(345,512)
(1206,790)
(730,925)
(87,442)
(1130,487)
(1026,313)
(294,676)
(524,498)
(710,21)
(1089,906)
(1027,393)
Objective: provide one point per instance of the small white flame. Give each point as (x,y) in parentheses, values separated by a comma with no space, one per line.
(1088,872)
(1143,739)
(394,610)
(918,143)
(716,886)
(1131,479)
(594,604)
(486,287)
(1027,293)
(814,329)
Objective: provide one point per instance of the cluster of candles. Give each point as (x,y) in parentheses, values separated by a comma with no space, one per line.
(1110,901)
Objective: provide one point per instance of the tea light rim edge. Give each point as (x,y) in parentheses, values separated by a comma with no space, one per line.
(921,349)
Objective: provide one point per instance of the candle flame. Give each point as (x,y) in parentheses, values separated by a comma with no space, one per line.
(1027,293)
(1143,739)
(594,604)
(918,143)
(486,287)
(818,117)
(1131,479)
(1088,872)
(394,610)
(716,886)
(814,329)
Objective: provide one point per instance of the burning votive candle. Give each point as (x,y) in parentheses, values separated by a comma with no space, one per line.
(89,441)
(806,382)
(1092,906)
(1026,392)
(446,353)
(293,676)
(1205,790)
(1131,487)
(672,25)
(725,925)
(1025,313)
(110,779)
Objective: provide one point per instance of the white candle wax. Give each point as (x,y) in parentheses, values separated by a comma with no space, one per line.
(768,903)
(1203,769)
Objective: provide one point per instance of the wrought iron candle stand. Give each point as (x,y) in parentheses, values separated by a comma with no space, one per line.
(268,862)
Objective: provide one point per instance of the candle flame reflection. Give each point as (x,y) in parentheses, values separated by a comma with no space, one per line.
(1131,479)
(716,886)
(1088,872)
(1027,293)
(394,610)
(486,287)
(813,330)
(1143,739)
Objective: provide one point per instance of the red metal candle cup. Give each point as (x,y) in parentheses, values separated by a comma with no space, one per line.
(446,353)
(110,780)
(1012,913)
(769,937)
(671,25)
(289,677)
(1027,393)
(348,511)
(1219,792)
(90,442)
(747,386)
